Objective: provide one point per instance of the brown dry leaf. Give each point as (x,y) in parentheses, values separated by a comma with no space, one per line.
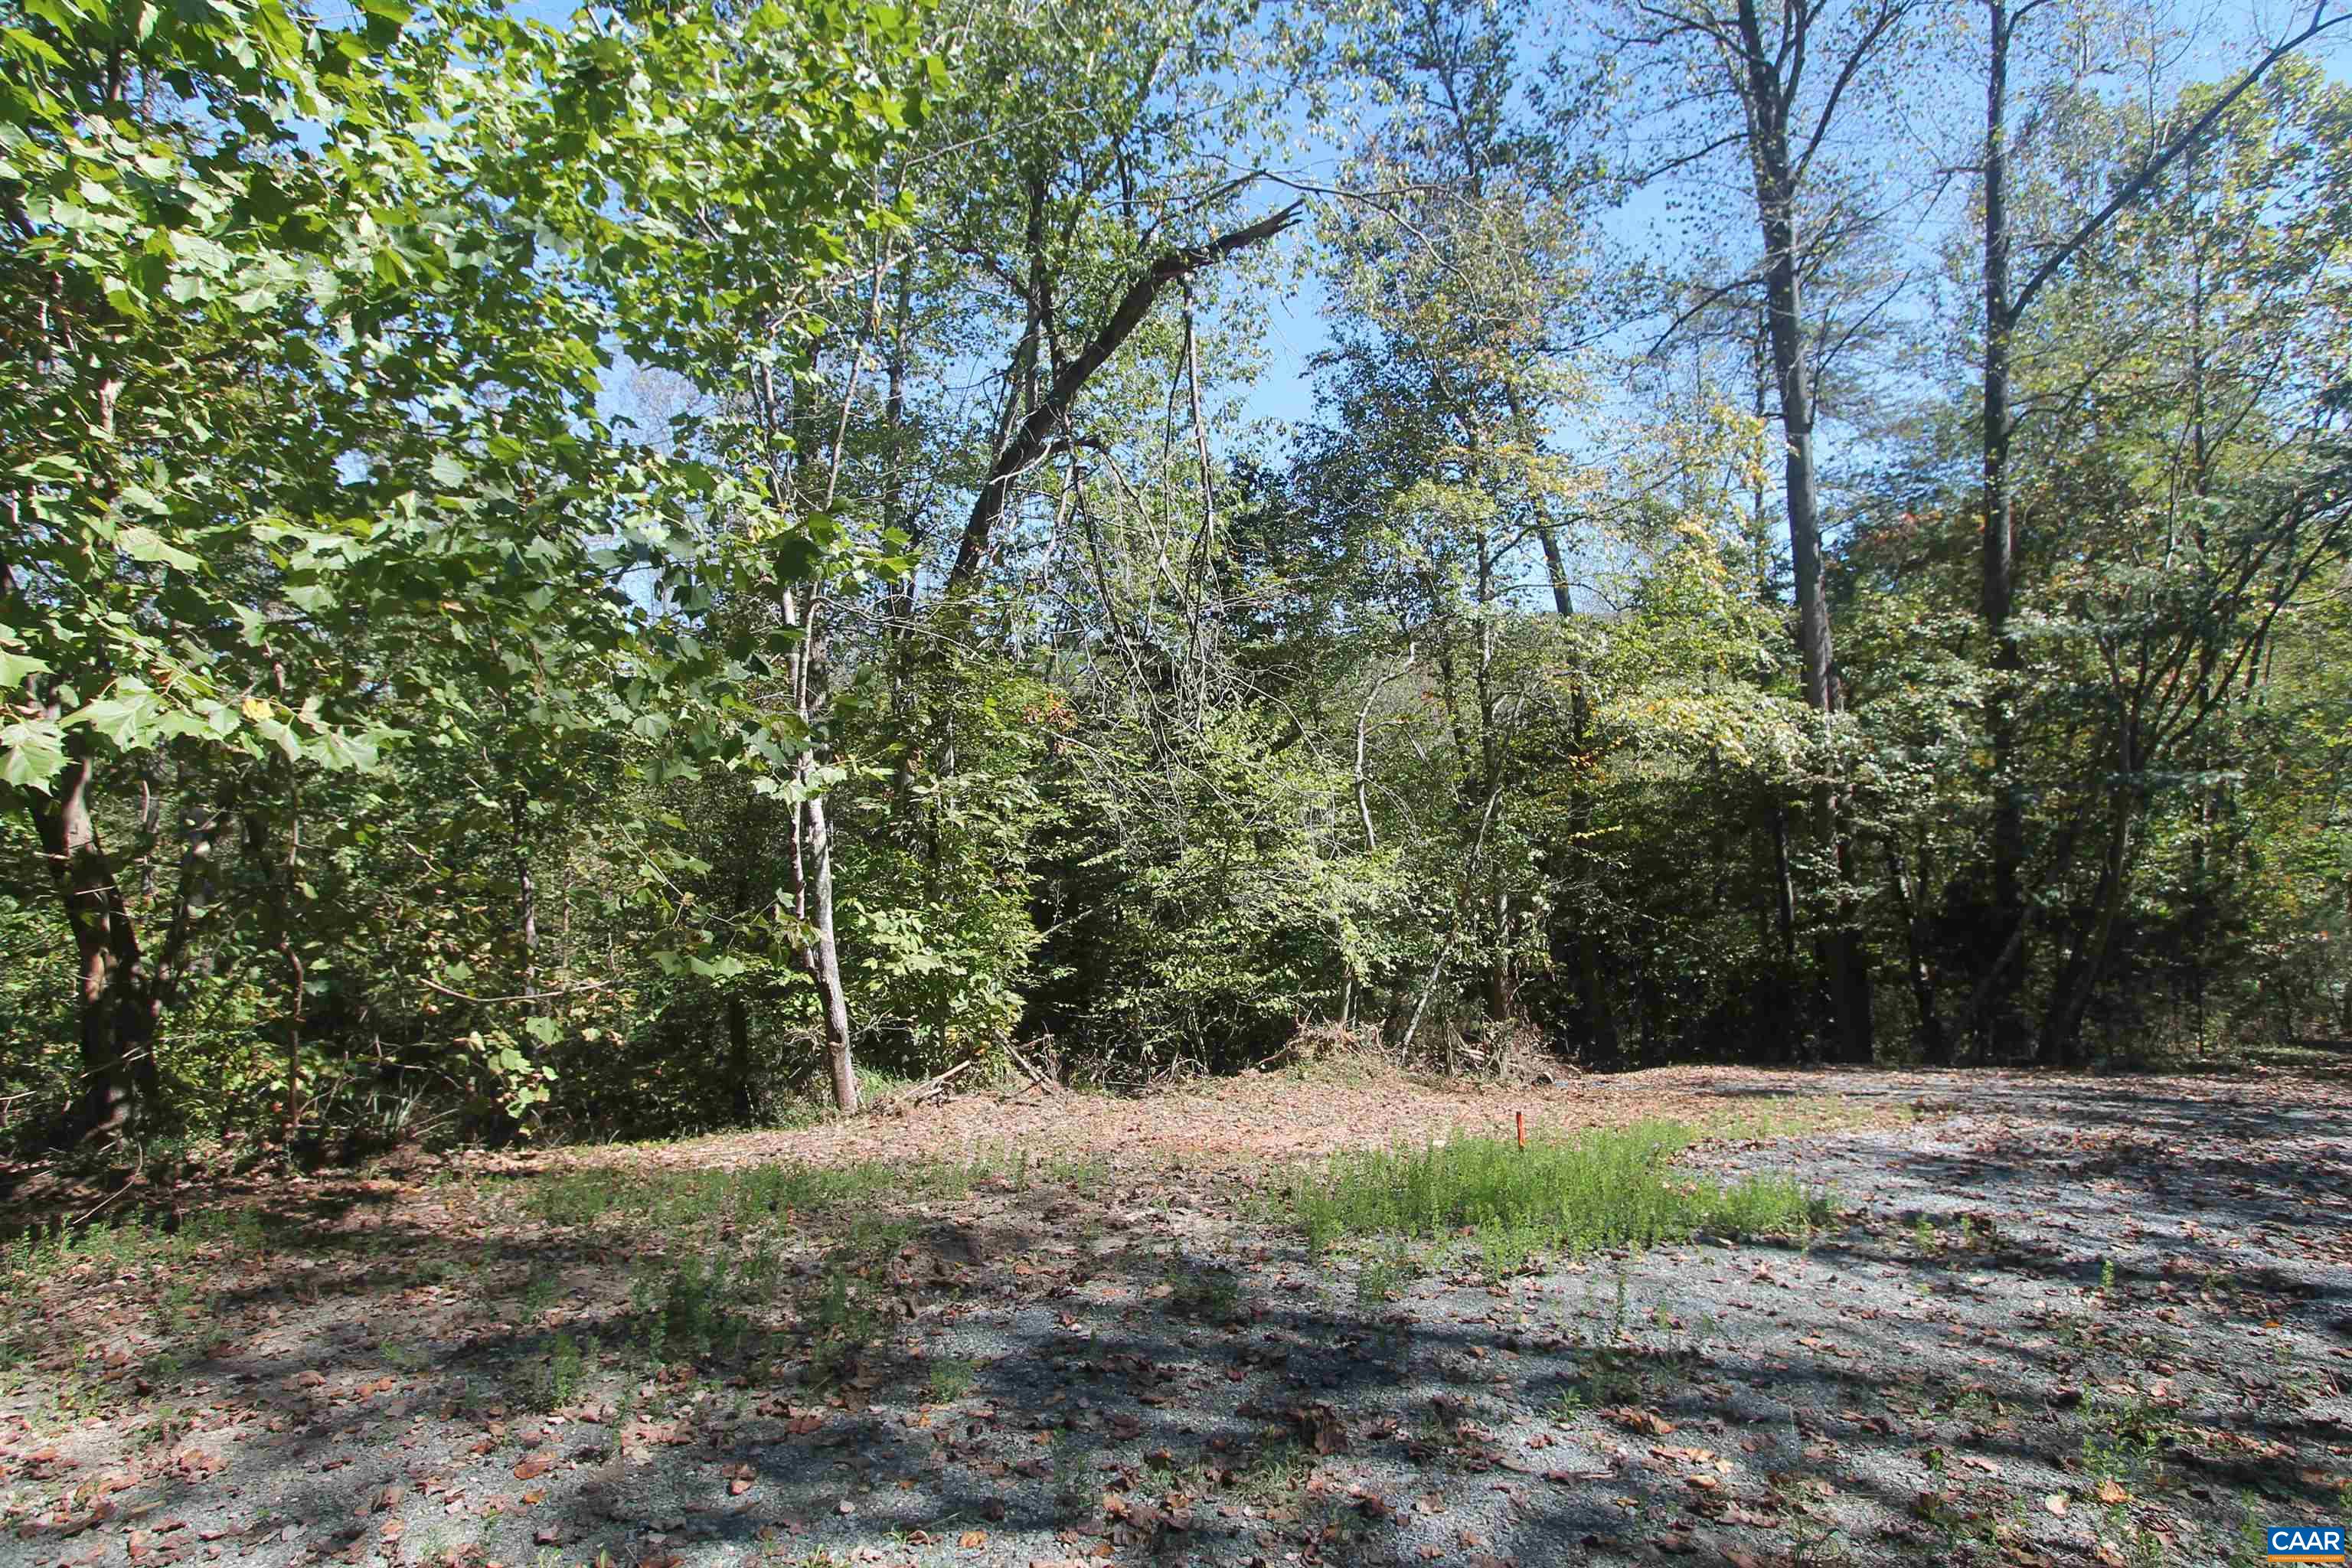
(1673,1541)
(1634,1419)
(1737,1558)
(1318,1426)
(2109,1492)
(2056,1503)
(532,1468)
(973,1540)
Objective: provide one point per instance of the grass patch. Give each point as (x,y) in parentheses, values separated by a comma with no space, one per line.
(753,1195)
(1606,1188)
(1797,1116)
(952,1378)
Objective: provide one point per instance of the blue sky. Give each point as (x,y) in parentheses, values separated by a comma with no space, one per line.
(1290,314)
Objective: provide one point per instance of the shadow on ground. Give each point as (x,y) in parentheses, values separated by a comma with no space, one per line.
(2070,1321)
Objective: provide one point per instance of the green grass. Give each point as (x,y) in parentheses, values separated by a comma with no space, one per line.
(666,1199)
(752,1195)
(1607,1188)
(952,1378)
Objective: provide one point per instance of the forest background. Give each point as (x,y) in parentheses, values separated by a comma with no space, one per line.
(612,576)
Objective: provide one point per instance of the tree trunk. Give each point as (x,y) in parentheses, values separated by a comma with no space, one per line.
(1849,1021)
(526,905)
(117,998)
(1935,1046)
(2006,1021)
(1030,440)
(739,1060)
(2070,998)
(823,960)
(812,862)
(1594,1012)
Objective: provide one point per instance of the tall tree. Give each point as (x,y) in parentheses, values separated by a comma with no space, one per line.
(1788,75)
(336,391)
(2006,305)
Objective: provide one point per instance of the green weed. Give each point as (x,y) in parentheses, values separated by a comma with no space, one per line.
(671,1199)
(1273,1471)
(841,1329)
(1608,1188)
(952,1378)
(1382,1274)
(1210,1295)
(2124,1438)
(560,1380)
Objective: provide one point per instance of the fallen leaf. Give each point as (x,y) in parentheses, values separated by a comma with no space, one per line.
(2056,1503)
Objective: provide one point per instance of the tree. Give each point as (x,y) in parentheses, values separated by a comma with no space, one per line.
(1791,76)
(2006,306)
(339,389)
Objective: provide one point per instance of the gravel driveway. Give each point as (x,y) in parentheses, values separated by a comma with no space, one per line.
(2055,1321)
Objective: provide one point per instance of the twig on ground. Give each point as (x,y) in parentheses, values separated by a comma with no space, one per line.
(922,1090)
(1039,1078)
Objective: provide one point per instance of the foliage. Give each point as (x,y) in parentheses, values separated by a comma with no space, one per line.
(506,629)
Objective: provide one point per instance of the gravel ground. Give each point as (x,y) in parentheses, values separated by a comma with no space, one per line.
(2054,1321)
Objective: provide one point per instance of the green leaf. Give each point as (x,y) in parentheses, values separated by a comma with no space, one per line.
(32,752)
(128,717)
(15,666)
(143,543)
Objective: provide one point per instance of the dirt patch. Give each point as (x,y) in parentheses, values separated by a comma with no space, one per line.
(1242,1124)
